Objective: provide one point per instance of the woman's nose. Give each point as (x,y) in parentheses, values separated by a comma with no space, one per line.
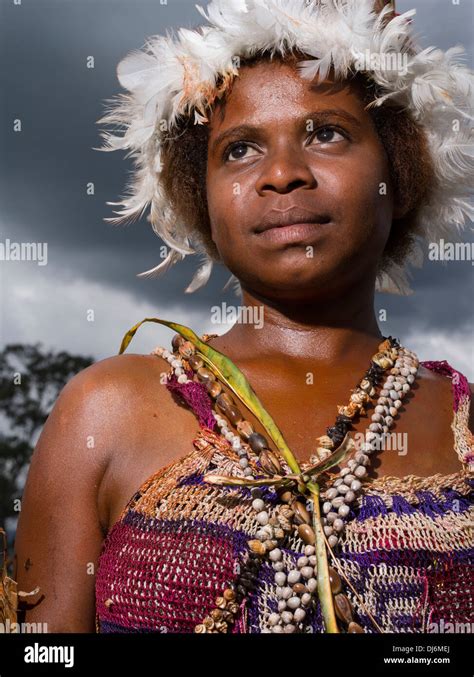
(285,169)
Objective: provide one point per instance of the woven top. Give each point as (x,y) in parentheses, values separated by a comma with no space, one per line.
(407,548)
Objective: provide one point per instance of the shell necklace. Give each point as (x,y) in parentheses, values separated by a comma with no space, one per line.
(296,586)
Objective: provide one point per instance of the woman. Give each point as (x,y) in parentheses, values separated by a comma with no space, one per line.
(130,522)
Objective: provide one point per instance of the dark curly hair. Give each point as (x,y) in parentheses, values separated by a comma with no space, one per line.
(184,164)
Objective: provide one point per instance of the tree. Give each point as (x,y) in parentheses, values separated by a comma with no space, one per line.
(30,382)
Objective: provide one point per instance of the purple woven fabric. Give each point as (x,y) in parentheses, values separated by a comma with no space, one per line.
(196,396)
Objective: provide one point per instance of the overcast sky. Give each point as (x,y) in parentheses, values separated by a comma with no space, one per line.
(44,170)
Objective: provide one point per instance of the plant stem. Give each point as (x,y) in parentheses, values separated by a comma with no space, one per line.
(324,586)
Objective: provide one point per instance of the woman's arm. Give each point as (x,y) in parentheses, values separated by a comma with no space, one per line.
(60,530)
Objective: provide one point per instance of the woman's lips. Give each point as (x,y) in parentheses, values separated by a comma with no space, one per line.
(297,232)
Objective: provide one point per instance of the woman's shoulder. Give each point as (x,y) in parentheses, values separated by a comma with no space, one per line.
(447,394)
(125,369)
(443,382)
(113,395)
(113,381)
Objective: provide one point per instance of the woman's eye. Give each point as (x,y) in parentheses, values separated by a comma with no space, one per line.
(328,135)
(238,151)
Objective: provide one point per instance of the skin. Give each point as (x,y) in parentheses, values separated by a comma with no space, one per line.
(318,319)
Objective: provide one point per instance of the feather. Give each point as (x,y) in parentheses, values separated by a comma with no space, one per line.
(394,281)
(201,276)
(135,70)
(233,282)
(172,258)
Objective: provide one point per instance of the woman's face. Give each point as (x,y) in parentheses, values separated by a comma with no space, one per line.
(283,150)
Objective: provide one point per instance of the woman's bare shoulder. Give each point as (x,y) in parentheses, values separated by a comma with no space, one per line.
(438,390)
(124,371)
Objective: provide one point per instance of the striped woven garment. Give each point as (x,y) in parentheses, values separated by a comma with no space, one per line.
(407,548)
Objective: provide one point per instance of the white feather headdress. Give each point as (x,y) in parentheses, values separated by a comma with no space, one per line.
(177,75)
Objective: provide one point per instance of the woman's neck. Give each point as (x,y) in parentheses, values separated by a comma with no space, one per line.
(325,331)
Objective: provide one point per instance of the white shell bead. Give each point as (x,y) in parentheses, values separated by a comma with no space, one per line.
(344,510)
(294,576)
(275,554)
(294,602)
(299,615)
(307,572)
(330,494)
(280,578)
